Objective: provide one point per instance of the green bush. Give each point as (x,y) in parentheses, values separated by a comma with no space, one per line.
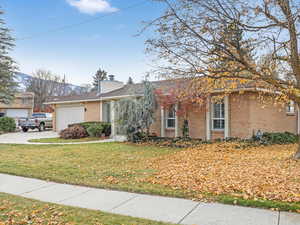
(279,138)
(185,128)
(7,124)
(186,142)
(86,125)
(95,130)
(180,142)
(106,129)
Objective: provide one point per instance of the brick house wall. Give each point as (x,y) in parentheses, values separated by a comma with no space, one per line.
(92,112)
(156,126)
(271,118)
(197,122)
(246,116)
(196,118)
(239,115)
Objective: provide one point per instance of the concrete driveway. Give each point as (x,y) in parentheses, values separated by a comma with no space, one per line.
(23,138)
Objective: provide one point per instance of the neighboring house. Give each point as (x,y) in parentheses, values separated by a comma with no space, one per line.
(21,106)
(239,115)
(87,107)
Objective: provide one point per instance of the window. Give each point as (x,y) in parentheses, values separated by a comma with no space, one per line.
(106,112)
(171,117)
(26,101)
(290,109)
(39,115)
(218,116)
(49,115)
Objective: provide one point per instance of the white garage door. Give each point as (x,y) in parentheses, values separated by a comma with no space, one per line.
(16,113)
(68,115)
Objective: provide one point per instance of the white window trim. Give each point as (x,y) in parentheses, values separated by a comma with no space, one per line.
(216,118)
(170,118)
(290,109)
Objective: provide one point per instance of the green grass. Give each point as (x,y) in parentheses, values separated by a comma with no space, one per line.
(60,140)
(106,165)
(115,166)
(18,210)
(259,203)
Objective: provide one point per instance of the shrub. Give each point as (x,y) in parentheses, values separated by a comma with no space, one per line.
(186,142)
(86,125)
(7,124)
(279,138)
(74,132)
(95,130)
(185,128)
(180,142)
(106,129)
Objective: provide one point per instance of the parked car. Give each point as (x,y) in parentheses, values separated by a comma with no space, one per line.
(39,121)
(2,114)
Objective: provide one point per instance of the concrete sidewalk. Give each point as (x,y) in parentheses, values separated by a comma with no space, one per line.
(174,210)
(23,138)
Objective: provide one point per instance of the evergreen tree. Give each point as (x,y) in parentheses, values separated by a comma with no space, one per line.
(148,106)
(7,65)
(136,115)
(99,76)
(130,80)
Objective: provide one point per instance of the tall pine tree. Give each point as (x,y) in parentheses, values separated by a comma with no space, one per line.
(7,64)
(99,76)
(130,81)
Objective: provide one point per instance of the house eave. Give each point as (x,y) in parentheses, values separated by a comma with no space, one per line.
(72,101)
(91,100)
(132,96)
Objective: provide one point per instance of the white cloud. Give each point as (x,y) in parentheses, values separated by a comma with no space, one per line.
(92,6)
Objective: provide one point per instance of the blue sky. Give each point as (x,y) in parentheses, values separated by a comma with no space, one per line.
(77,52)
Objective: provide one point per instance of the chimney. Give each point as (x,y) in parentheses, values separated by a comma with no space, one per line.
(111,77)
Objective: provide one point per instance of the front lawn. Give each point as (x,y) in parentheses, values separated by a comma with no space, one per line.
(17,210)
(262,176)
(60,140)
(105,165)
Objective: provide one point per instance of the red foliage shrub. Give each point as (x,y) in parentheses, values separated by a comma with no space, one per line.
(74,132)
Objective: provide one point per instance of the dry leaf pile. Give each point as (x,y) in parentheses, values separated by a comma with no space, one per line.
(266,172)
(13,214)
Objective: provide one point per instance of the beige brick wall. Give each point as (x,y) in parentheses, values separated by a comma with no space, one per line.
(217,135)
(248,115)
(239,113)
(169,132)
(197,122)
(271,117)
(92,112)
(155,127)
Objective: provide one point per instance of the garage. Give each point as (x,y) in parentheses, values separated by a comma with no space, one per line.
(17,113)
(68,115)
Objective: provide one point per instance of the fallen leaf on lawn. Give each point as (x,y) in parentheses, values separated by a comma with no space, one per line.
(260,172)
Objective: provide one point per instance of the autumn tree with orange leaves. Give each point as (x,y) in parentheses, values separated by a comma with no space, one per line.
(226,43)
